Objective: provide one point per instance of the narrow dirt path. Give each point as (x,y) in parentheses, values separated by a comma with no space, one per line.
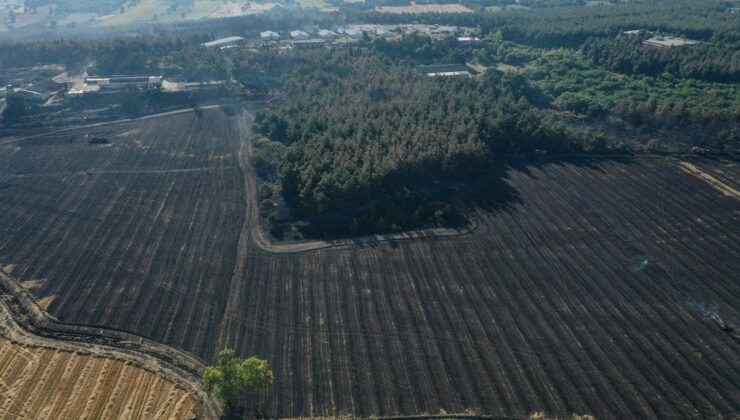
(250,218)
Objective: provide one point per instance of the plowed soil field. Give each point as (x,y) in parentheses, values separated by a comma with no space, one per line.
(589,285)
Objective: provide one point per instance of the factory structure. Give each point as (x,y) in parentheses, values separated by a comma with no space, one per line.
(113,84)
(118,83)
(661,41)
(298,39)
(228,42)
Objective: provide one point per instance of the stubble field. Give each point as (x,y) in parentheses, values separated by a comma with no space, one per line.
(42,382)
(590,287)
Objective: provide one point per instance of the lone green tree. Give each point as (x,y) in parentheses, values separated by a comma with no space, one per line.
(231,379)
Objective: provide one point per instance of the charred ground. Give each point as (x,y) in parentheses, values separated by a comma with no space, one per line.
(592,288)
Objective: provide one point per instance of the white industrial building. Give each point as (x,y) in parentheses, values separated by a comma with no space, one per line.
(669,41)
(228,42)
(383,33)
(115,83)
(269,36)
(299,36)
(327,34)
(468,40)
(445,70)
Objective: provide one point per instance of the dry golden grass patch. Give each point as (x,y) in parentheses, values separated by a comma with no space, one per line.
(42,382)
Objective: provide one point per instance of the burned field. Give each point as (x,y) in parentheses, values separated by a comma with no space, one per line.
(592,291)
(595,286)
(116,225)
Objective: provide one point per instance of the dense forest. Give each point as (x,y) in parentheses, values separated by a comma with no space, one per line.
(362,131)
(111,55)
(717,62)
(359,127)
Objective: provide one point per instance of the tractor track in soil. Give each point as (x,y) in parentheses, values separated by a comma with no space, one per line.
(590,293)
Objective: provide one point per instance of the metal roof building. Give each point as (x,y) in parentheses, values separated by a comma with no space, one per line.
(669,41)
(224,42)
(299,35)
(327,34)
(269,36)
(445,70)
(383,33)
(121,82)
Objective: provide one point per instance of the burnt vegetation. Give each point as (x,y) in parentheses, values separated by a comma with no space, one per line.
(591,289)
(536,237)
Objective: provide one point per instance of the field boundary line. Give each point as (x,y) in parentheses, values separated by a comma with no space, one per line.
(260,239)
(112,122)
(19,309)
(720,186)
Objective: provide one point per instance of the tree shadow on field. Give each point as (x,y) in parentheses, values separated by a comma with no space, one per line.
(487,188)
(493,191)
(525,164)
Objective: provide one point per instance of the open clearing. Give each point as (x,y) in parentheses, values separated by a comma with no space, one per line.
(590,286)
(144,11)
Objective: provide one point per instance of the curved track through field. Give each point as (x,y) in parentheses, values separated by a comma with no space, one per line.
(595,287)
(65,371)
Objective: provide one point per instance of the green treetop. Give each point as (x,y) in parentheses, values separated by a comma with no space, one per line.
(231,378)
